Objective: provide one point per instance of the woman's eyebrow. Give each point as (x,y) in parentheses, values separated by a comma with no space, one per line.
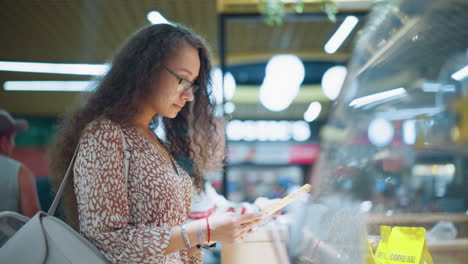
(184,70)
(187,71)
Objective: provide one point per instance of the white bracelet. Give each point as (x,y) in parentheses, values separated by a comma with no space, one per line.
(185,237)
(200,234)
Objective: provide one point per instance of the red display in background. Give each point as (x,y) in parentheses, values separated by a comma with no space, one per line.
(303,153)
(393,165)
(35,158)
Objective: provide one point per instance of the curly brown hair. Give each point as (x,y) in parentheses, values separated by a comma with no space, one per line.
(118,96)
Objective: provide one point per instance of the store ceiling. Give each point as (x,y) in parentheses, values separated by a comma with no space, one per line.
(89,31)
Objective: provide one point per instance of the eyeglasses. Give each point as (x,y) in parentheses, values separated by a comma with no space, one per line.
(184,84)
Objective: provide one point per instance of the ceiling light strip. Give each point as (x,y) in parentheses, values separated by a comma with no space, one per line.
(56,86)
(343,31)
(377,97)
(54,68)
(460,74)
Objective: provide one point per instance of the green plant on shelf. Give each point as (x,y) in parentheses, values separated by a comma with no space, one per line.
(273,10)
(330,8)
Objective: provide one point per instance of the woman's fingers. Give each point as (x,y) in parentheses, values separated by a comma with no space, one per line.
(250,225)
(241,234)
(247,218)
(232,227)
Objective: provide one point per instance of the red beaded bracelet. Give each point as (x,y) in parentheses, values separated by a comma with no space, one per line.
(208,229)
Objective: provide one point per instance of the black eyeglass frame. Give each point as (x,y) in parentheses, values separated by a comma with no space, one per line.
(193,85)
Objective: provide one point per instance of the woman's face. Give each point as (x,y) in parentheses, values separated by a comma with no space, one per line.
(166,99)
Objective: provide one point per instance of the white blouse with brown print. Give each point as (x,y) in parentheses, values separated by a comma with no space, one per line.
(129,220)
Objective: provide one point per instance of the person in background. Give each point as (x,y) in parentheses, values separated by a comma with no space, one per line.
(138,213)
(17,183)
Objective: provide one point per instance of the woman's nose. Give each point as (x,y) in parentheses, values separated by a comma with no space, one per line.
(188,95)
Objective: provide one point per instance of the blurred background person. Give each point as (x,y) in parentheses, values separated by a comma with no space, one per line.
(18,189)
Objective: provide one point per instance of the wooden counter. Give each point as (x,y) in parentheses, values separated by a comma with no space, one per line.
(258,247)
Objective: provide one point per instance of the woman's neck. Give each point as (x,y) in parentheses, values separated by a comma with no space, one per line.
(143,119)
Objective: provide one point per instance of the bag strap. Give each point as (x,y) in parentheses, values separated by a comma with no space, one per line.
(58,195)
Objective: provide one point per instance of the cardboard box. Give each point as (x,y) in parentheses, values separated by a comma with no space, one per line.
(258,247)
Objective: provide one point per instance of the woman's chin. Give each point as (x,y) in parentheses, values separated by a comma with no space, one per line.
(170,115)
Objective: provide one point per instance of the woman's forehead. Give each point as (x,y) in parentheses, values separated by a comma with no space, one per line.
(185,59)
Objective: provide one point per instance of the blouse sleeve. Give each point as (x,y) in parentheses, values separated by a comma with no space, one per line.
(196,258)
(101,191)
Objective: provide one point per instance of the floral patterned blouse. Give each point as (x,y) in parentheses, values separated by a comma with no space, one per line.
(129,219)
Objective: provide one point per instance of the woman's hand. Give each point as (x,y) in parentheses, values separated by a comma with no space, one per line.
(231,227)
(263,203)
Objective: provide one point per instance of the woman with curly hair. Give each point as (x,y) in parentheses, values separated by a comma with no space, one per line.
(138,213)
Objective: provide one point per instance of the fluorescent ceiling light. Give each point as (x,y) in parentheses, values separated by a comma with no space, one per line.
(156,18)
(62,86)
(229,86)
(408,113)
(300,131)
(55,68)
(333,80)
(283,77)
(460,74)
(341,34)
(433,87)
(262,130)
(217,86)
(391,94)
(229,107)
(409,132)
(380,132)
(313,111)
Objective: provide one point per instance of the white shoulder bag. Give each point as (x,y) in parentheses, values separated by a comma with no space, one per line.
(46,239)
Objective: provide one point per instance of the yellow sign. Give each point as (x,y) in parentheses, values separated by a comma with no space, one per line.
(402,245)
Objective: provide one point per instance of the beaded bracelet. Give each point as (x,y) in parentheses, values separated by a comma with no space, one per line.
(200,235)
(185,237)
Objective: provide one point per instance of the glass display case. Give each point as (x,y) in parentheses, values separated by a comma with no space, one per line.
(395,150)
(247,183)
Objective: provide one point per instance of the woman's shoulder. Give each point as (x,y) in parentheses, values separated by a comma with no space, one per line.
(103,123)
(103,127)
